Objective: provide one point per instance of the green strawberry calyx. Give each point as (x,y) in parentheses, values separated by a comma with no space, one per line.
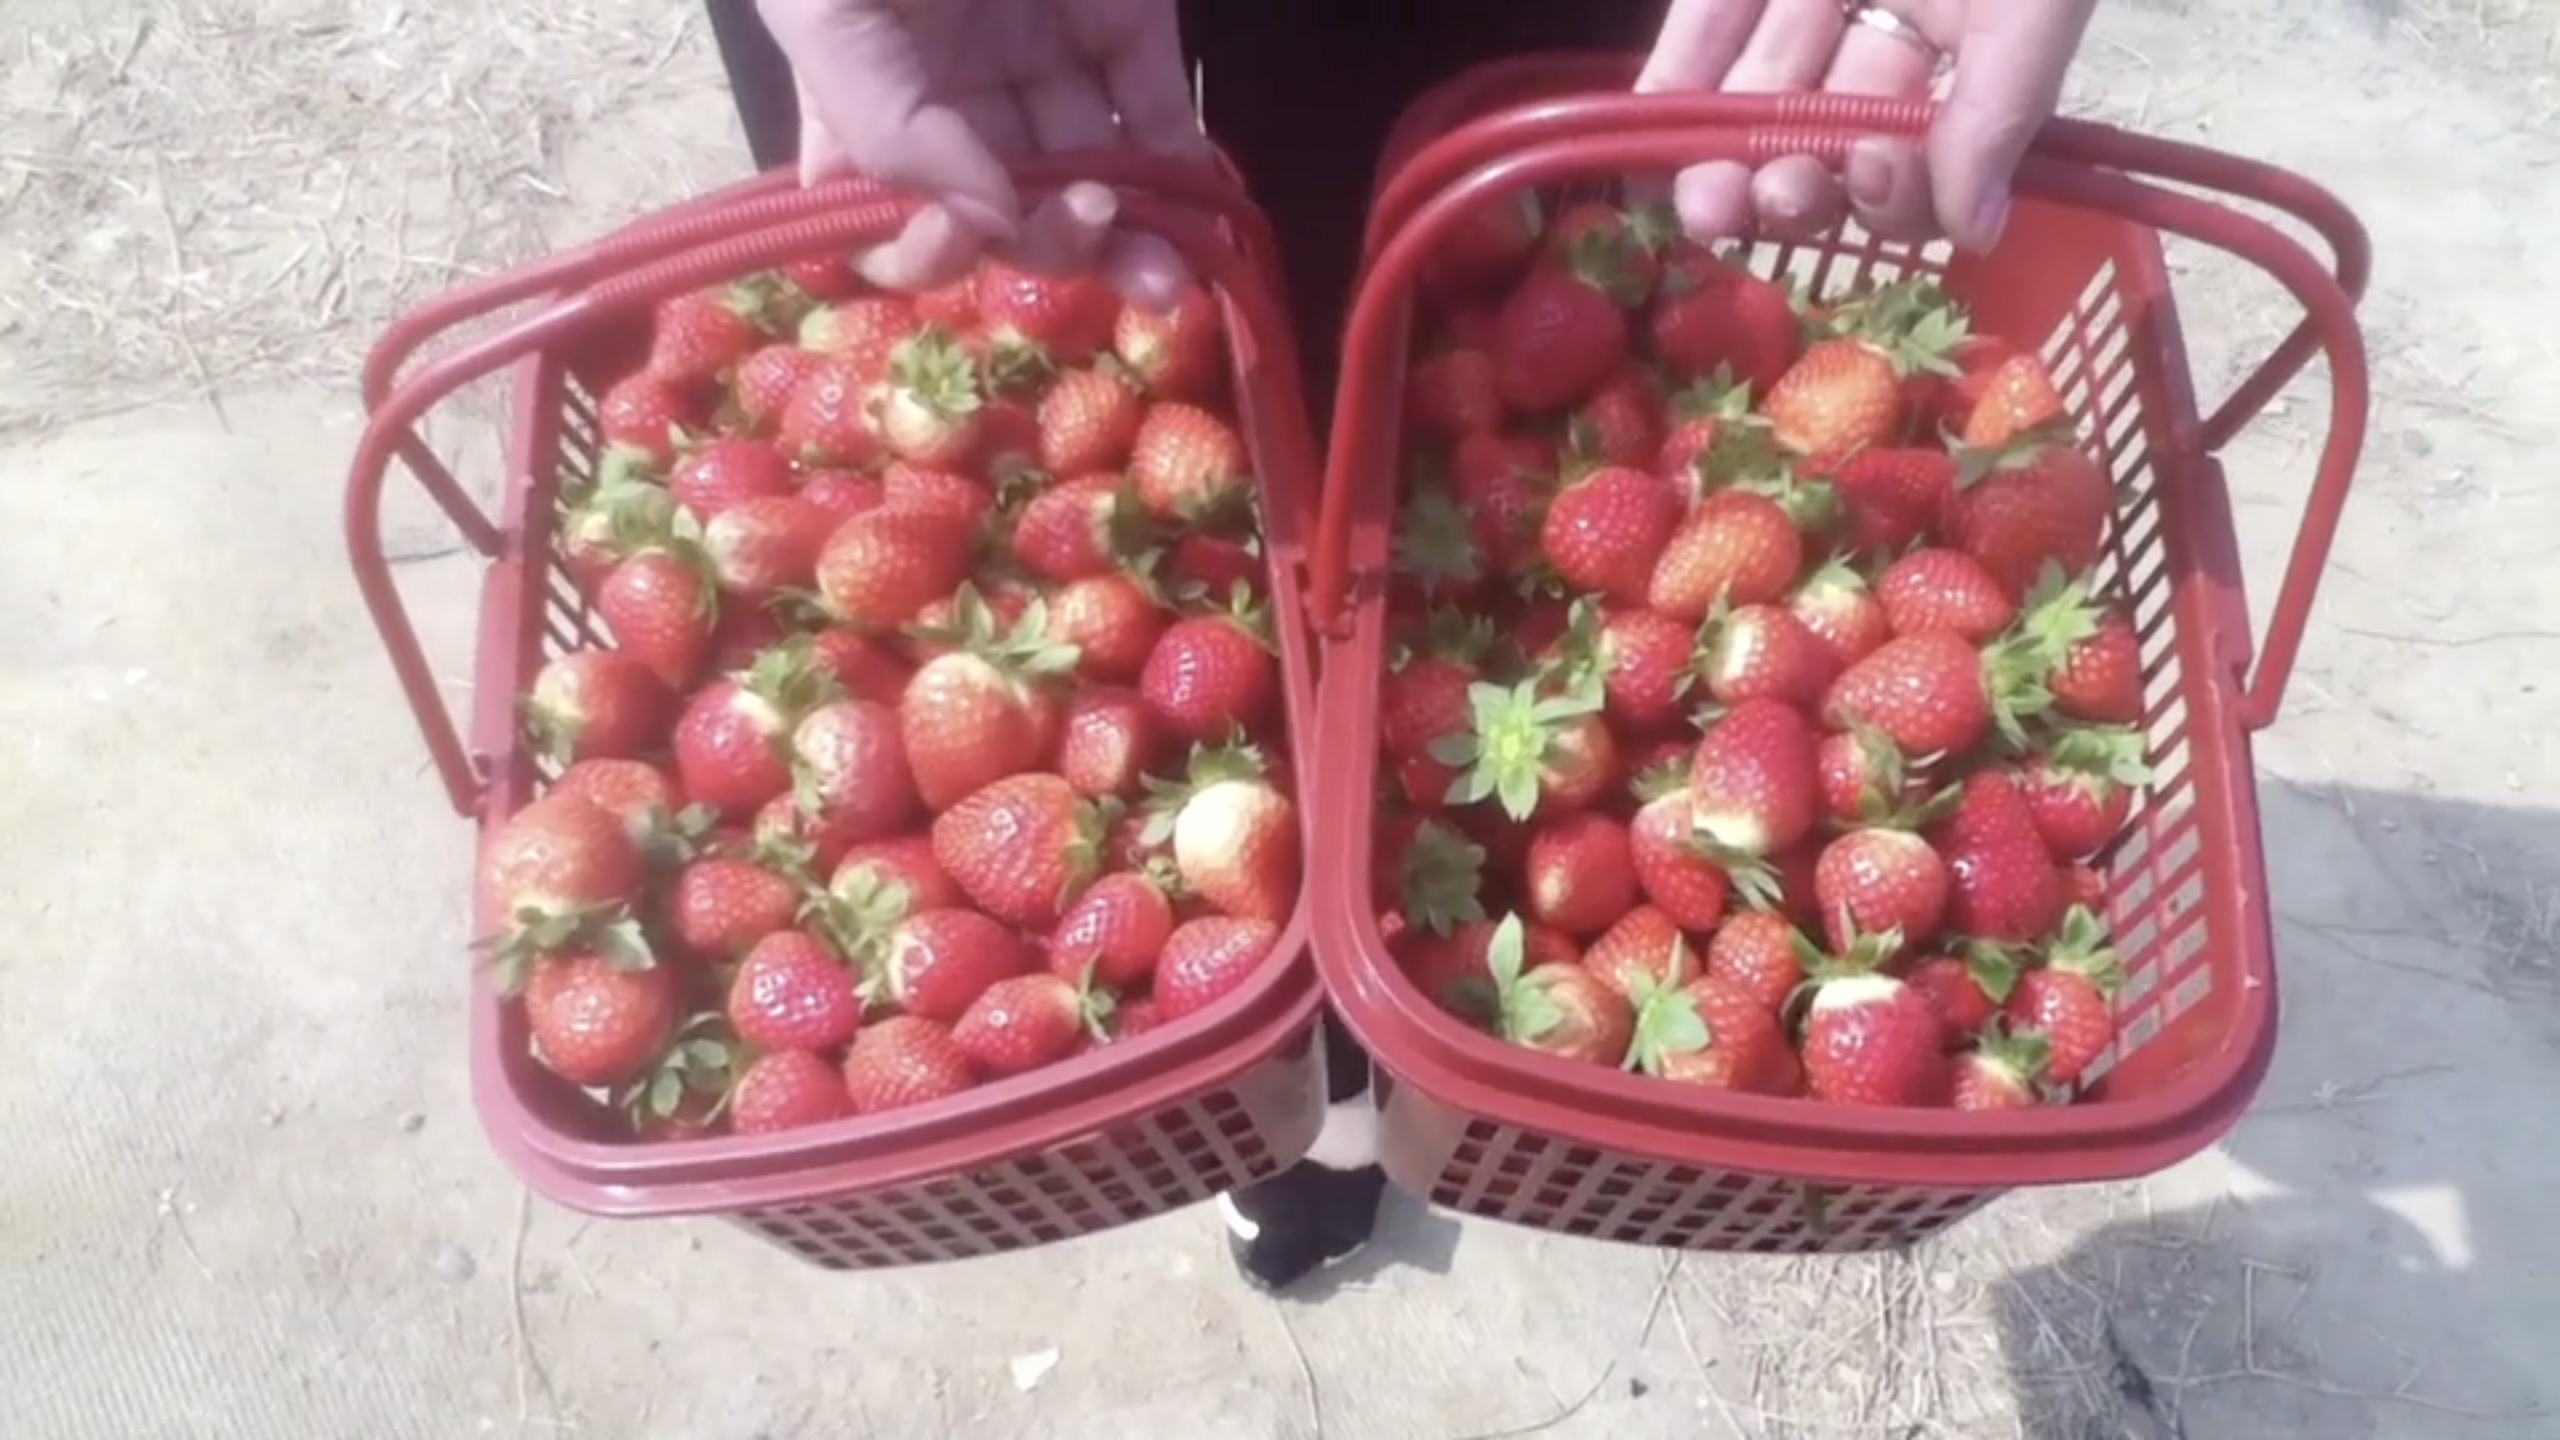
(1523,1010)
(1503,755)
(1442,875)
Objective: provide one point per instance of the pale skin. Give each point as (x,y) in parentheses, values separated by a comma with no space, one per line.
(937,95)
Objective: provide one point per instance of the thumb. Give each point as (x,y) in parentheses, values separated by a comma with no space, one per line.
(2010,65)
(857,64)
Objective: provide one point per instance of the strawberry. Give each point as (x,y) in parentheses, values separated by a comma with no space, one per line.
(1579,876)
(849,769)
(981,712)
(1487,246)
(798,840)
(1713,1033)
(1065,318)
(592,704)
(1737,546)
(1637,235)
(730,741)
(1111,621)
(1561,1009)
(863,329)
(742,633)
(2093,657)
(1619,422)
(1455,969)
(1884,884)
(787,1090)
(1866,779)
(1111,936)
(1234,835)
(608,524)
(1870,1039)
(1205,960)
(841,494)
(2085,884)
(2002,1072)
(1646,661)
(1026,1022)
(726,472)
(1530,751)
(1966,990)
(1711,317)
(661,607)
(1453,394)
(1847,393)
(1204,567)
(792,992)
(1188,464)
(1210,675)
(1431,875)
(1021,849)
(928,408)
(1837,605)
(966,501)
(2081,789)
(721,906)
(2037,501)
(1764,652)
(560,871)
(1177,353)
(1605,531)
(2003,883)
(766,380)
(647,416)
(762,547)
(822,278)
(1563,328)
(2068,999)
(1088,422)
(860,665)
(1892,498)
(828,421)
(886,880)
(1079,528)
(1751,780)
(2010,397)
(685,1093)
(1107,739)
(901,1061)
(1501,482)
(1644,951)
(1708,415)
(597,1020)
(698,337)
(936,963)
(878,569)
(1671,868)
(1941,404)
(1944,590)
(641,795)
(1933,693)
(1759,952)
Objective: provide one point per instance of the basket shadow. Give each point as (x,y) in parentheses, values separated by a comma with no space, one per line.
(2368,1253)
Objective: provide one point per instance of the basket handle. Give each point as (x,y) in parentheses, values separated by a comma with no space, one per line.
(1615,133)
(846,215)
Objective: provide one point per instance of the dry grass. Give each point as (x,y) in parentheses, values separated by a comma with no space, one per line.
(232,193)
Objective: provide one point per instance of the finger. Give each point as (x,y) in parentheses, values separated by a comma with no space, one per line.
(1796,197)
(1144,80)
(934,249)
(1698,42)
(1068,111)
(1714,200)
(860,68)
(2011,60)
(1144,268)
(821,157)
(1065,233)
(1789,49)
(1886,180)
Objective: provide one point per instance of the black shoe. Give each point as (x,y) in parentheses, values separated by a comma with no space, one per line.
(1301,1221)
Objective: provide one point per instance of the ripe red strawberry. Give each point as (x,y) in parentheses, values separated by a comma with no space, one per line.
(886,880)
(828,421)
(1088,422)
(1178,353)
(1761,953)
(2002,1073)
(2081,790)
(1453,393)
(1066,318)
(793,993)
(720,906)
(615,520)
(1209,675)
(862,331)
(726,472)
(1530,751)
(1836,604)
(849,769)
(761,547)
(1234,835)
(1647,667)
(787,1090)
(1892,498)
(766,381)
(592,704)
(2003,883)
(1710,317)
(1701,419)
(1885,886)
(1751,780)
(1563,328)
(1026,1022)
(698,337)
(1737,546)
(906,485)
(901,1061)
(554,872)
(1871,1040)
(1620,422)
(743,633)
(2085,884)
(1966,991)
(1501,481)
(841,493)
(2068,999)
(1712,1033)
(1849,392)
(641,795)
(596,1021)
(1579,876)
(1205,960)
(659,603)
(802,842)
(1764,652)
(2094,656)
(730,741)
(1113,933)
(1561,1009)
(1644,951)
(2011,396)
(1674,872)
(1455,969)
(823,278)
(647,416)
(1489,245)
(936,963)
(2039,501)
(1928,693)
(1188,464)
(1637,236)
(860,665)
(1605,531)
(1866,779)
(976,715)
(1082,527)
(1107,739)
(1944,590)
(1112,622)
(930,408)
(1021,849)
(879,569)
(1209,567)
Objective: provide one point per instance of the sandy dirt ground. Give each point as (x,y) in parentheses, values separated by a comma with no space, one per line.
(246,1194)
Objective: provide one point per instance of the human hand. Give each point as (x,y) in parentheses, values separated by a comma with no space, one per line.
(936,96)
(2008,60)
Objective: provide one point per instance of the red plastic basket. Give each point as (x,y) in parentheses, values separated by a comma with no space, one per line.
(1167,1119)
(1489,1129)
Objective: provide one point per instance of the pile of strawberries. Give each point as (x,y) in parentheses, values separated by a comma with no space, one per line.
(936,730)
(1751,720)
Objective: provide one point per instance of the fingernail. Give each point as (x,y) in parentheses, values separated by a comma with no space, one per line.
(1991,219)
(1870,173)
